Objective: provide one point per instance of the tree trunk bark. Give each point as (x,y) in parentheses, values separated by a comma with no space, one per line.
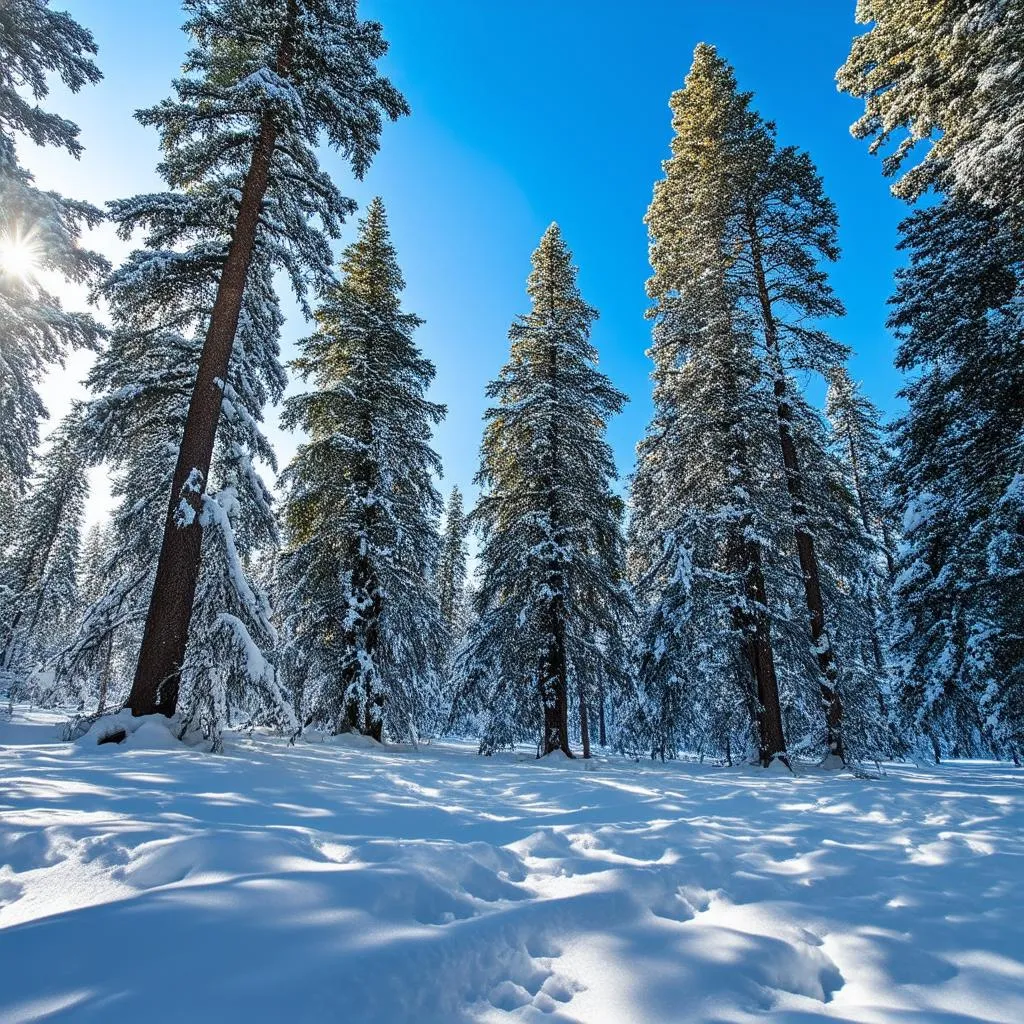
(809,569)
(555,690)
(602,735)
(158,672)
(757,643)
(761,659)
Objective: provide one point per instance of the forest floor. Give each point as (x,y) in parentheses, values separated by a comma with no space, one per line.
(349,882)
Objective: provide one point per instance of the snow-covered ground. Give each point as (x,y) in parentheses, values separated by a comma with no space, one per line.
(355,883)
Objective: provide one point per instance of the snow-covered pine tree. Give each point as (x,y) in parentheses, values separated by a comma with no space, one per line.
(706,496)
(38,575)
(92,585)
(851,578)
(552,601)
(709,493)
(776,228)
(266,82)
(451,569)
(949,76)
(788,230)
(859,446)
(959,317)
(364,634)
(38,230)
(159,305)
(860,443)
(454,600)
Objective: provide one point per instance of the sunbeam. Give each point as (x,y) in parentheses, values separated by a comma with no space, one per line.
(19,255)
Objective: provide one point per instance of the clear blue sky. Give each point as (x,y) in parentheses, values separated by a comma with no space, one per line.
(524,112)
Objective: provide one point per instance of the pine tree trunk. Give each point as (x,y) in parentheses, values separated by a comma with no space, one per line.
(555,688)
(757,645)
(602,735)
(7,656)
(806,554)
(761,659)
(158,673)
(367,719)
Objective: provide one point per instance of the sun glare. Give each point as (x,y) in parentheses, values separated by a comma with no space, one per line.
(18,256)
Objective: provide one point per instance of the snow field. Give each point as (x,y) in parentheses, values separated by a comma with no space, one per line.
(352,882)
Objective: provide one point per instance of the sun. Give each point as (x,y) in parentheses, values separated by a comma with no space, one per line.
(19,256)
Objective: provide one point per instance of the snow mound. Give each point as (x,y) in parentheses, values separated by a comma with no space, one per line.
(147,732)
(558,756)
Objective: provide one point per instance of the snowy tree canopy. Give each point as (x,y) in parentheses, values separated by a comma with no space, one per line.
(39,231)
(264,85)
(552,599)
(363,632)
(945,81)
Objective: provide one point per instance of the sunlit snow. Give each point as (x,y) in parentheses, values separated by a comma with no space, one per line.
(349,881)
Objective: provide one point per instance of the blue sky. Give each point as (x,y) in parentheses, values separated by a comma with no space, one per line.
(524,112)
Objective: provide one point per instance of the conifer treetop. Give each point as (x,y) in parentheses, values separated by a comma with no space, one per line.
(693,200)
(552,280)
(370,264)
(332,86)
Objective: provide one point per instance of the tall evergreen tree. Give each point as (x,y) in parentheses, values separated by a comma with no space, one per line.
(959,315)
(38,230)
(451,569)
(363,626)
(141,385)
(853,582)
(552,601)
(39,601)
(788,230)
(949,75)
(860,449)
(705,494)
(264,83)
(742,227)
(92,584)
